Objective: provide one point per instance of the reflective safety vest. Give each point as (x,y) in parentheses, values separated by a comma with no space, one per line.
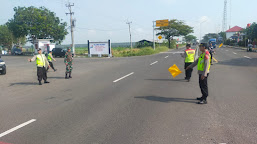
(190,57)
(49,57)
(40,60)
(200,65)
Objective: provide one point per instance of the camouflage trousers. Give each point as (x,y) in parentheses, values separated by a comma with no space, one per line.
(69,67)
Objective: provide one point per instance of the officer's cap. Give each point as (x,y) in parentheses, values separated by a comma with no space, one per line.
(203,45)
(188,45)
(39,49)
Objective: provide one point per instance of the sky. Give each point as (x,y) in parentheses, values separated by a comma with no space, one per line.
(100,20)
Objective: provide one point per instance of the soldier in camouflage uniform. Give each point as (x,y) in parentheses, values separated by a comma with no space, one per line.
(68,59)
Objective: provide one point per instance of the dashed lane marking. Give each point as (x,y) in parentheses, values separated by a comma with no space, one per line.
(123,77)
(16,128)
(247,57)
(154,63)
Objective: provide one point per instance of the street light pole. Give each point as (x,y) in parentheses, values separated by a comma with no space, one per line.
(153,36)
(201,30)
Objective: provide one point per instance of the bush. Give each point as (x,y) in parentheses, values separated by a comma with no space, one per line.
(126,52)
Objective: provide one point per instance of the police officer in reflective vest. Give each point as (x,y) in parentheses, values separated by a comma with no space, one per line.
(42,63)
(50,60)
(189,56)
(203,66)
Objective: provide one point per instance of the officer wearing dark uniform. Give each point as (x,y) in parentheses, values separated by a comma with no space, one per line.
(68,60)
(203,66)
(42,63)
(189,56)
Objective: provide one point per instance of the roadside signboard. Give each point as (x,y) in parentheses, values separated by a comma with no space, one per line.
(162,23)
(99,48)
(160,37)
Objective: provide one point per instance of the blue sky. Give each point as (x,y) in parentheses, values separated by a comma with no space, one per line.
(100,20)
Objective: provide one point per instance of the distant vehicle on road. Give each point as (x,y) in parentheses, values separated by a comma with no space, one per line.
(2,67)
(213,41)
(16,51)
(58,52)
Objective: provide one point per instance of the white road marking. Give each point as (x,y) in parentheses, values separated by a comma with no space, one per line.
(123,77)
(234,53)
(17,127)
(154,63)
(247,57)
(166,56)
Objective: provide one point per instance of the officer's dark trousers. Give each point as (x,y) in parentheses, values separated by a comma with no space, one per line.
(41,73)
(51,65)
(189,71)
(204,86)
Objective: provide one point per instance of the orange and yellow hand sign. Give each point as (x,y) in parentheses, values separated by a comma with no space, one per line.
(221,45)
(174,70)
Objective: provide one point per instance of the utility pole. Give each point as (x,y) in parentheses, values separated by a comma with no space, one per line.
(153,36)
(130,34)
(72,25)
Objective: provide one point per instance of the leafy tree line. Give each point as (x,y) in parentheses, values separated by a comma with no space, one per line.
(176,28)
(31,23)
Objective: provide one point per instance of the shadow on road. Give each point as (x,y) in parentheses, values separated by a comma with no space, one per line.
(240,62)
(181,80)
(23,83)
(166,99)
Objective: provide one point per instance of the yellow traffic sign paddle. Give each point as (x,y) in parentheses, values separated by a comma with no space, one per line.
(174,70)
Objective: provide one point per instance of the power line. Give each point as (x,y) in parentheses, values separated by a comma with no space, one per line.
(102,29)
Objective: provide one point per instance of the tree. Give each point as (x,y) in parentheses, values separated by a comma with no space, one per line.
(223,35)
(37,23)
(176,28)
(251,32)
(209,36)
(190,38)
(6,37)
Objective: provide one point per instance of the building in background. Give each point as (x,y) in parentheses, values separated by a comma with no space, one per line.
(231,33)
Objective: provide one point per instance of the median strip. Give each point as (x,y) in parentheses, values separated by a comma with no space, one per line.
(17,127)
(247,57)
(154,63)
(123,77)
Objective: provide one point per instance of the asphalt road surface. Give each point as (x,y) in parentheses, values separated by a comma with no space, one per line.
(130,101)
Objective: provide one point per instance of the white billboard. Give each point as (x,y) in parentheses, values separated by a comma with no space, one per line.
(99,48)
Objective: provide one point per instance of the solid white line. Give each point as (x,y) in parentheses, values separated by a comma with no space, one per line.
(154,63)
(166,56)
(123,77)
(247,57)
(17,127)
(234,53)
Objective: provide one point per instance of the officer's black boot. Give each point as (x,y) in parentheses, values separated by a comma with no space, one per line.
(46,82)
(66,76)
(70,75)
(39,83)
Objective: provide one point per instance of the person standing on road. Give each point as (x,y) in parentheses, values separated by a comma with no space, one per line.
(189,56)
(41,66)
(68,60)
(203,66)
(50,60)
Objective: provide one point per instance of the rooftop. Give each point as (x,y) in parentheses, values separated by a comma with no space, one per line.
(235,29)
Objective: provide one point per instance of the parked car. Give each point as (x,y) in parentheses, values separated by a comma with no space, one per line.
(2,67)
(16,51)
(58,52)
